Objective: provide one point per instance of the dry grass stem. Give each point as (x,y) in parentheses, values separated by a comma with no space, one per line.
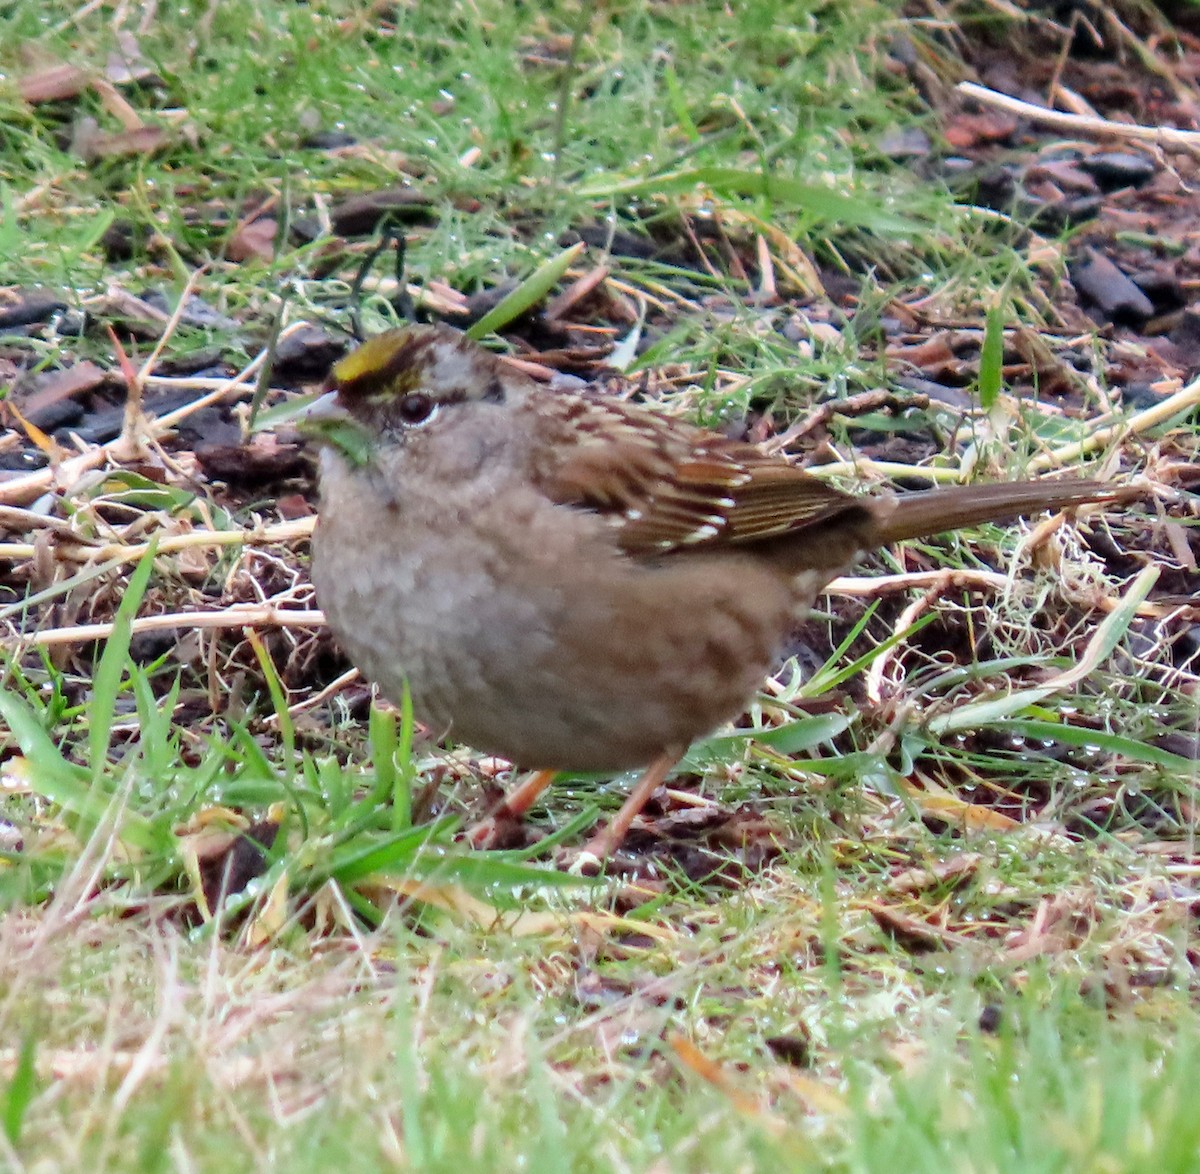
(1164,136)
(236,616)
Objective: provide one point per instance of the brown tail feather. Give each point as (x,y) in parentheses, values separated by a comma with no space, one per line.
(917,515)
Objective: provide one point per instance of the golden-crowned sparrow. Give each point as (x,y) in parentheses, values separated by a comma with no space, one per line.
(570,581)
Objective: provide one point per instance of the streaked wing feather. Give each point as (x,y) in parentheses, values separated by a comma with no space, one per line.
(666,485)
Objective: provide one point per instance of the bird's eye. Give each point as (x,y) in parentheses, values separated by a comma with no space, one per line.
(416,408)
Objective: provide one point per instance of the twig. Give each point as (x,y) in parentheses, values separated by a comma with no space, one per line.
(238,616)
(863,467)
(858,404)
(867,585)
(1181,401)
(181,307)
(904,624)
(1163,136)
(30,487)
(264,615)
(1098,649)
(1185,398)
(116,553)
(319,698)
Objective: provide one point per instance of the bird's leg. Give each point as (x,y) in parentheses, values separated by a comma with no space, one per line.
(522,797)
(607,840)
(610,837)
(510,809)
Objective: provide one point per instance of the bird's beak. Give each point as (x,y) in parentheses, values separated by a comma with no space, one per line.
(326,422)
(324,407)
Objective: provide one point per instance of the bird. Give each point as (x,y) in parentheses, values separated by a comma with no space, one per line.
(570,581)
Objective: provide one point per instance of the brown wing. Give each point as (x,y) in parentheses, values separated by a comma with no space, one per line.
(667,485)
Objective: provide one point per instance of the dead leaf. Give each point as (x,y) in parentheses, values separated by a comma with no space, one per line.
(969,130)
(90,143)
(54,83)
(696,1062)
(1059,924)
(455,900)
(126,65)
(934,351)
(575,293)
(913,933)
(271,915)
(915,880)
(47,444)
(256,239)
(957,812)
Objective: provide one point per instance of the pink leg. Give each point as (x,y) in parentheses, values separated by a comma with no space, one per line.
(610,837)
(522,797)
(499,825)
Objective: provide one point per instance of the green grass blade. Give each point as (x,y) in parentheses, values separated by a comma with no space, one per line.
(395,853)
(406,774)
(106,684)
(821,204)
(991,359)
(22,1088)
(381,734)
(531,291)
(61,782)
(827,678)
(287,729)
(1108,636)
(1117,745)
(491,871)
